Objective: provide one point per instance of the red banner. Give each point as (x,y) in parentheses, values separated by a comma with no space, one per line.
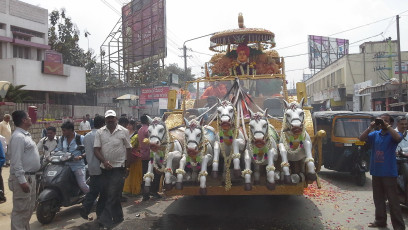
(153,94)
(52,63)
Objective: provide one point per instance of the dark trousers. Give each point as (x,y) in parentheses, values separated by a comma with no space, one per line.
(2,193)
(95,190)
(113,181)
(1,181)
(154,188)
(386,188)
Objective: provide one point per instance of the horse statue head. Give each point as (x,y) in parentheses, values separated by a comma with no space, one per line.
(294,116)
(258,126)
(194,136)
(226,115)
(158,133)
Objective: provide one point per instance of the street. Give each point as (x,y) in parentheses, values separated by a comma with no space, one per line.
(339,204)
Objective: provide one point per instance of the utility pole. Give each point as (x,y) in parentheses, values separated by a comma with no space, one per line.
(185,57)
(185,50)
(399,61)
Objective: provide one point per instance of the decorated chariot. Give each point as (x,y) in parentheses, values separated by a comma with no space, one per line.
(237,131)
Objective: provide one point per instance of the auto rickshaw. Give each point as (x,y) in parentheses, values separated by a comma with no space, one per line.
(342,150)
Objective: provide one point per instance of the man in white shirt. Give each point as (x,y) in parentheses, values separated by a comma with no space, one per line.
(5,131)
(25,162)
(402,125)
(48,143)
(112,147)
(84,125)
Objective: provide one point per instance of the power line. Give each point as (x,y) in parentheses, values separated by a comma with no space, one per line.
(111,7)
(200,52)
(344,31)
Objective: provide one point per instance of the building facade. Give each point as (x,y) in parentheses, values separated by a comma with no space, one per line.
(341,82)
(23,44)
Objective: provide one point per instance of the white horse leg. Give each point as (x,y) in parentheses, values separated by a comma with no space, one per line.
(148,177)
(203,174)
(247,172)
(180,173)
(236,156)
(216,159)
(270,170)
(257,175)
(169,170)
(309,161)
(285,164)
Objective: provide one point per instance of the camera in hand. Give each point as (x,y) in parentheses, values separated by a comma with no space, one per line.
(379,121)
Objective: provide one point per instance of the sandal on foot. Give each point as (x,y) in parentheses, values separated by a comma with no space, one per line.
(376,225)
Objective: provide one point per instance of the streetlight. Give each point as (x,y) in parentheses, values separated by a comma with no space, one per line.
(4,86)
(185,49)
(86,35)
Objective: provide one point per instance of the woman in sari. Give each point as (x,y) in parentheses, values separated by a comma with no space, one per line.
(134,180)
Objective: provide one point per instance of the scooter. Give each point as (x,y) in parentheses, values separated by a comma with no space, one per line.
(59,187)
(360,165)
(402,179)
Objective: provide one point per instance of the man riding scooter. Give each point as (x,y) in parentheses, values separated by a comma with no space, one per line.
(70,141)
(63,178)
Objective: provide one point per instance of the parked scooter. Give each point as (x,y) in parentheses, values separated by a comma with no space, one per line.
(59,187)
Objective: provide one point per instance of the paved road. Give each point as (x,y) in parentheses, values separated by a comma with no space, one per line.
(338,205)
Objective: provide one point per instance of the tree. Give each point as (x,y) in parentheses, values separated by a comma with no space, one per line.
(16,94)
(63,37)
(98,77)
(183,76)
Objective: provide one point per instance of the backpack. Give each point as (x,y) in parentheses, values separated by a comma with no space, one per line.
(46,138)
(77,141)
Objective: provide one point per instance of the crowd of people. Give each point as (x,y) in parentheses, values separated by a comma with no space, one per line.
(113,148)
(115,151)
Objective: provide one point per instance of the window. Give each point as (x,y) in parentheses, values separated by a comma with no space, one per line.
(327,81)
(2,26)
(350,127)
(21,52)
(29,33)
(1,50)
(339,76)
(39,55)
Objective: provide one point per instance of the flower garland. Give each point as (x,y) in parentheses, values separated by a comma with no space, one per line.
(162,154)
(228,159)
(290,149)
(255,150)
(202,146)
(249,66)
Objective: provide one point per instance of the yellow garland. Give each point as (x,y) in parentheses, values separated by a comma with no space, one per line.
(227,160)
(284,138)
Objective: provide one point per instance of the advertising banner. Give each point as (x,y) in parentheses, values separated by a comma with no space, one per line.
(153,94)
(325,50)
(52,63)
(144,31)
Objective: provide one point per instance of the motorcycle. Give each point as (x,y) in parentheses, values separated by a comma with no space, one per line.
(59,187)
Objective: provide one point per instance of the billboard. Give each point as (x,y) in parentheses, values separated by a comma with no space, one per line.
(143,31)
(404,67)
(52,63)
(325,50)
(153,94)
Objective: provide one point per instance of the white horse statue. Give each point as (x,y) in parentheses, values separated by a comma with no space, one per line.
(165,153)
(232,141)
(262,150)
(200,143)
(295,142)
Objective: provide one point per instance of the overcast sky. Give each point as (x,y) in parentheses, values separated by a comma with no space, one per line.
(291,21)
